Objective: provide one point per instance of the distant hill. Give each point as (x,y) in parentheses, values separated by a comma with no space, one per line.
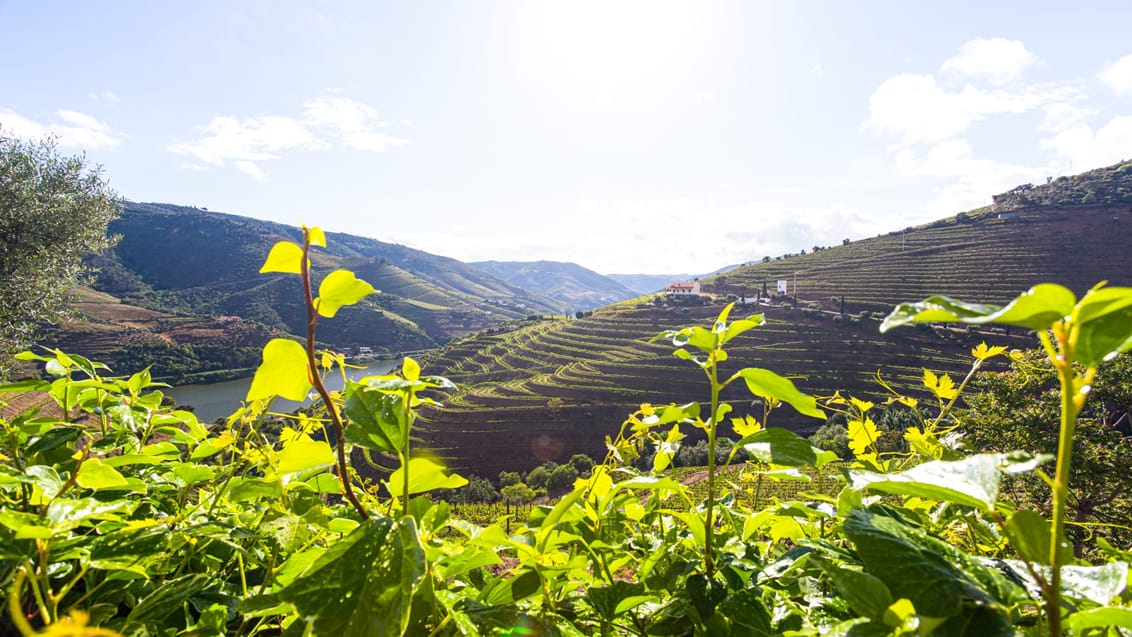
(548,391)
(649,283)
(176,266)
(575,287)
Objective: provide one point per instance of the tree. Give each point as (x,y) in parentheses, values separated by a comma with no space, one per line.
(517,494)
(582,463)
(54,210)
(508,478)
(1018,410)
(478,489)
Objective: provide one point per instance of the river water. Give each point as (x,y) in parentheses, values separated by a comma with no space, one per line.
(217,400)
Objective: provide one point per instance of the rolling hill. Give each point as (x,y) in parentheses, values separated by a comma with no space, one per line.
(549,390)
(183,279)
(574,287)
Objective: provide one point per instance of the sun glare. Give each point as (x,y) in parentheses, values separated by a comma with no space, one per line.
(602,47)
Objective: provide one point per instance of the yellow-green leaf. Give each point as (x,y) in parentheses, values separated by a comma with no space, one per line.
(862,435)
(317,236)
(410,369)
(982,352)
(283,372)
(305,453)
(285,256)
(93,474)
(339,288)
(424,475)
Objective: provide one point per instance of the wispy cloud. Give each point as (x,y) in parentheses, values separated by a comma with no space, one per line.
(928,116)
(72,129)
(993,60)
(324,123)
(1119,75)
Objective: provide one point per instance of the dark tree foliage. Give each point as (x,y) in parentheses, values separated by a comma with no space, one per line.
(1018,409)
(53,211)
(478,489)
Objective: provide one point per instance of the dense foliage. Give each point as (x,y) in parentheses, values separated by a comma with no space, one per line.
(125,515)
(53,211)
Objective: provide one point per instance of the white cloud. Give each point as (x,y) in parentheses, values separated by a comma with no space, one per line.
(1062,115)
(72,130)
(324,123)
(918,110)
(969,181)
(994,60)
(1086,149)
(1119,75)
(250,139)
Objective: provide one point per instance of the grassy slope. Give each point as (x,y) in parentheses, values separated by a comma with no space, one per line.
(602,367)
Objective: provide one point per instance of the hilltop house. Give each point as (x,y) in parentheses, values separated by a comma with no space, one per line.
(690,288)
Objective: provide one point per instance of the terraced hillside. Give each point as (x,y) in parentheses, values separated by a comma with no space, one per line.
(557,388)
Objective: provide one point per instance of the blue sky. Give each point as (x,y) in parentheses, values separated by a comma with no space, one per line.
(624,136)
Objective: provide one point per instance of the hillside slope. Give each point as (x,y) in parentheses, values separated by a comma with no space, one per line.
(558,388)
(574,287)
(191,265)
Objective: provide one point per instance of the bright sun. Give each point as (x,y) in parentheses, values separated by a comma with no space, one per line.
(600,46)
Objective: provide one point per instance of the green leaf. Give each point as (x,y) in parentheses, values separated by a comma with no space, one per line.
(742,325)
(937,578)
(53,438)
(1029,535)
(375,418)
(286,257)
(1035,309)
(304,453)
(865,593)
(249,489)
(779,446)
(972,481)
(340,288)
(767,384)
(1100,617)
(410,369)
(1105,318)
(94,474)
(283,372)
(424,475)
(606,600)
(364,584)
(24,386)
(1099,584)
(167,600)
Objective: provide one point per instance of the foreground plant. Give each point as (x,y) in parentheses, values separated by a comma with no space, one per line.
(1077,336)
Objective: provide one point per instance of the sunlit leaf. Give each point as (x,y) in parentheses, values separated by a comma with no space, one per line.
(424,475)
(282,373)
(971,481)
(305,453)
(767,384)
(1035,309)
(316,235)
(338,289)
(286,257)
(93,474)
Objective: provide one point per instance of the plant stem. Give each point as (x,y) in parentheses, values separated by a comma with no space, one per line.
(709,523)
(320,387)
(1060,489)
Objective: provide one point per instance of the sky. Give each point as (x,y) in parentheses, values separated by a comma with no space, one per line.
(625,136)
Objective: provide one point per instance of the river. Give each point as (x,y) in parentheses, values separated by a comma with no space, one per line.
(217,400)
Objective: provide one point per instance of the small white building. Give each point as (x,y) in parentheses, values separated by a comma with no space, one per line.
(690,288)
